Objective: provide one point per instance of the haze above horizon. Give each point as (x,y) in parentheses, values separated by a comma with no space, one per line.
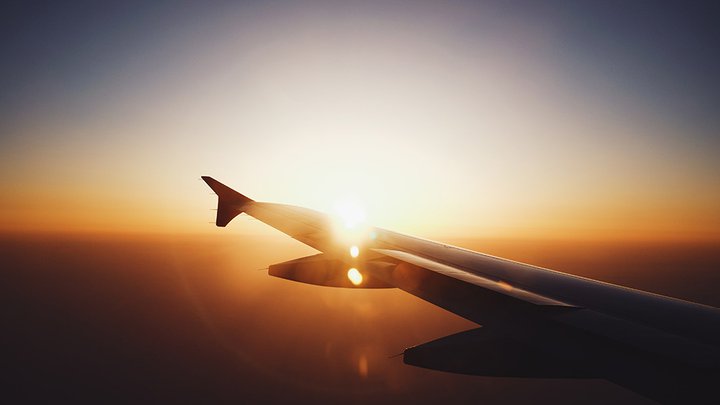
(464,120)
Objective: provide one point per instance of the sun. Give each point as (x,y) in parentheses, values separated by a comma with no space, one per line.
(350,213)
(350,227)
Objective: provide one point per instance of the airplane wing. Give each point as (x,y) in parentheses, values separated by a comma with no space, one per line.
(535,322)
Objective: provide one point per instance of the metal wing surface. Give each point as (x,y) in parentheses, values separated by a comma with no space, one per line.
(535,322)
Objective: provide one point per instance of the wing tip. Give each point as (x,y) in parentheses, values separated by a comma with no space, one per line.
(230,202)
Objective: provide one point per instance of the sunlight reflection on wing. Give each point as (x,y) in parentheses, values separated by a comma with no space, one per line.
(355,276)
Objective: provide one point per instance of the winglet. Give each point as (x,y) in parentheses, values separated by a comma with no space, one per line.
(230,202)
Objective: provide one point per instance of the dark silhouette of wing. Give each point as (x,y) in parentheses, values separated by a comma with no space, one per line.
(535,322)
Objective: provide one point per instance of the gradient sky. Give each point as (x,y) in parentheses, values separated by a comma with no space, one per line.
(574,119)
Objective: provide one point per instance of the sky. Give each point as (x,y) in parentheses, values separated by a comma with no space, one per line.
(491,119)
(580,136)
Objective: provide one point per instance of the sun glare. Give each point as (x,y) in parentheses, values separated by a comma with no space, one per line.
(350,227)
(350,214)
(355,276)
